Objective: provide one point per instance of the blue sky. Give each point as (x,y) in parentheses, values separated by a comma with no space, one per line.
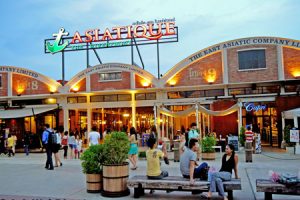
(26,23)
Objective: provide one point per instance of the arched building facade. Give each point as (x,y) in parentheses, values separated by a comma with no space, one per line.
(247,81)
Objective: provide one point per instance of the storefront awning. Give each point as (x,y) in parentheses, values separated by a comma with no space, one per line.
(290,114)
(25,112)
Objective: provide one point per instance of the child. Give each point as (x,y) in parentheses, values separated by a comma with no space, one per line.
(78,148)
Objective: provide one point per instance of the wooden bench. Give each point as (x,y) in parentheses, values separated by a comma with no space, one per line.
(177,183)
(269,188)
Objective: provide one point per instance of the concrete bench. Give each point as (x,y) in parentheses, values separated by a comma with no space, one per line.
(269,188)
(177,183)
(218,147)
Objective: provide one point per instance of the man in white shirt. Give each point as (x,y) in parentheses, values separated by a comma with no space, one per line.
(94,137)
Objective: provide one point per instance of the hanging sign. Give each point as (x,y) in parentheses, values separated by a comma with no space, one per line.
(252,107)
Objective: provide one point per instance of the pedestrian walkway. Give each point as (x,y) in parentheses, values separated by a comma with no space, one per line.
(24,177)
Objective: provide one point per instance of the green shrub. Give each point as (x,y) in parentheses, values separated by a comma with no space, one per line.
(207,144)
(116,148)
(242,136)
(92,159)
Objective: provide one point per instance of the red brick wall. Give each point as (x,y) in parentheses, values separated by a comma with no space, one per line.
(81,85)
(227,124)
(196,73)
(291,58)
(3,89)
(139,82)
(29,85)
(268,74)
(110,85)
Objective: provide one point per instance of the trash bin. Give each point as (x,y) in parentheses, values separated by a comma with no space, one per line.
(176,151)
(248,151)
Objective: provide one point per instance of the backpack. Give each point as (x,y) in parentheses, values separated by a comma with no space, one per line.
(52,138)
(64,141)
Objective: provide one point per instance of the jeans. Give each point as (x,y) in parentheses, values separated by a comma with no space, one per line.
(26,149)
(161,176)
(217,182)
(49,162)
(197,170)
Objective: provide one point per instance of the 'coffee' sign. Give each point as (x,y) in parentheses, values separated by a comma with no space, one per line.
(252,107)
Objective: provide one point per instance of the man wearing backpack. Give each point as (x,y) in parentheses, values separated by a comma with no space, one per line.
(47,142)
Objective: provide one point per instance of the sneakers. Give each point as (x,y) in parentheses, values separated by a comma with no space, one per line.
(166,160)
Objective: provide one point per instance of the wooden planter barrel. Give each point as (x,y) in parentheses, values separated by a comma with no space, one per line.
(115,180)
(94,183)
(208,156)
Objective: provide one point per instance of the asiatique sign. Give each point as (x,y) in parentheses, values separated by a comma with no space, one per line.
(118,36)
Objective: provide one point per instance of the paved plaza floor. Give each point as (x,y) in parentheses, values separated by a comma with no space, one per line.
(24,177)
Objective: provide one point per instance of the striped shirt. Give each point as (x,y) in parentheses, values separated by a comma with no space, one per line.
(249,136)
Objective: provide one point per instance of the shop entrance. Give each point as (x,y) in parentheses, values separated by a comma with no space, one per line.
(264,122)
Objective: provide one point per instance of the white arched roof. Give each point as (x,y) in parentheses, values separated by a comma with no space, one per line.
(32,74)
(112,67)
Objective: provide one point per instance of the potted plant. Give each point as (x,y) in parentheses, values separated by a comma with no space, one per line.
(92,159)
(242,136)
(208,152)
(115,167)
(289,146)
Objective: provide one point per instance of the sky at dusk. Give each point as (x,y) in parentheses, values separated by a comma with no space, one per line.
(25,24)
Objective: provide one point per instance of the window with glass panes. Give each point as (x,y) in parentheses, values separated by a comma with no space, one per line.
(110,76)
(252,59)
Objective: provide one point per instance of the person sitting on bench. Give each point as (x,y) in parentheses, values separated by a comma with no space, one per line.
(153,156)
(229,162)
(188,162)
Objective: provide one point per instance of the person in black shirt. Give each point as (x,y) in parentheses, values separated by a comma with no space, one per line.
(229,163)
(26,141)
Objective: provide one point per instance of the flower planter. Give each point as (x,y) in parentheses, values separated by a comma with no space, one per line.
(115,180)
(208,156)
(94,183)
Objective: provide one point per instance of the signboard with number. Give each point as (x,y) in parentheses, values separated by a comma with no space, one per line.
(294,135)
(235,141)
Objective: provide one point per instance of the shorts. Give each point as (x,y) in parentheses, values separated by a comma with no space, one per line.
(133,149)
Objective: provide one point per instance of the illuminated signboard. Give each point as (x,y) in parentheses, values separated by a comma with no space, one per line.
(140,33)
(252,107)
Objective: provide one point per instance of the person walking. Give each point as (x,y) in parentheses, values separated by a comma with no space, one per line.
(47,142)
(14,144)
(72,144)
(133,151)
(57,146)
(26,141)
(78,149)
(10,144)
(229,163)
(64,143)
(94,137)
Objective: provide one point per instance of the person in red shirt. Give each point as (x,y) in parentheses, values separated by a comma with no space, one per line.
(249,135)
